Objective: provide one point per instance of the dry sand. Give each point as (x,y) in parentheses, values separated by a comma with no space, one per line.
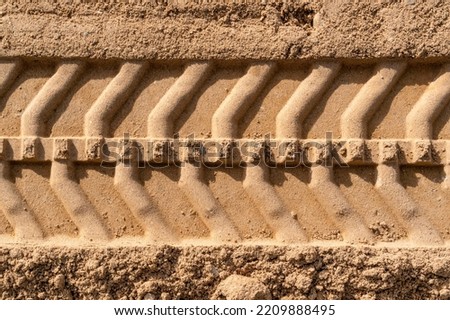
(361,216)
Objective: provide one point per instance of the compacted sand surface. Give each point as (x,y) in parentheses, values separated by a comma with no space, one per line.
(224,150)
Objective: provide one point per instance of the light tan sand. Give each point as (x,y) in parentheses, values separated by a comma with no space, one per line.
(361,216)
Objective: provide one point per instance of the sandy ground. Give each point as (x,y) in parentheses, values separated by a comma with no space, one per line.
(99,201)
(167,272)
(407,28)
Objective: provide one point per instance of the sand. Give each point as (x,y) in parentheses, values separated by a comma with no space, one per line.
(224,151)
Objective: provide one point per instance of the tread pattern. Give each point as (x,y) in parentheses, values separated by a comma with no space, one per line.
(270,97)
(363,106)
(419,122)
(18,214)
(83,214)
(299,106)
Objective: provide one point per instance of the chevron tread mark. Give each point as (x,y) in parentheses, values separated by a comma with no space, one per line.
(126,152)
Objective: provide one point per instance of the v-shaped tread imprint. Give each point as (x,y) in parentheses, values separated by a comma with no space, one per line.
(257,133)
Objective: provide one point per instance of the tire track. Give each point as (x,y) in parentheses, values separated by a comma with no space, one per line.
(33,148)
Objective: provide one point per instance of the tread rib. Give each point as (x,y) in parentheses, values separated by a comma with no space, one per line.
(419,229)
(99,116)
(163,116)
(271,207)
(334,203)
(291,117)
(419,122)
(126,181)
(355,118)
(83,214)
(35,115)
(226,118)
(202,198)
(15,209)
